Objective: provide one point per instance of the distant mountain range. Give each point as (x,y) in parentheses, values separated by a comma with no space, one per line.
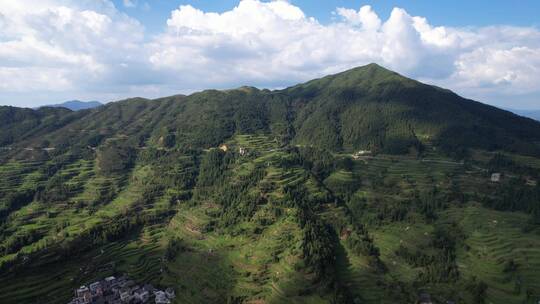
(534,114)
(76,105)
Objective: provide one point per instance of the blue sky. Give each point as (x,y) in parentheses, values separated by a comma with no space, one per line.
(106,50)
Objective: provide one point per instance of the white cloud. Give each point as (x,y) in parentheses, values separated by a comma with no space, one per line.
(129,3)
(58,45)
(508,71)
(92,47)
(33,78)
(274,42)
(365,17)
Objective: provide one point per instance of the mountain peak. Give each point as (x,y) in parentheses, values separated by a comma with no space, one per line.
(372,65)
(365,78)
(372,71)
(76,105)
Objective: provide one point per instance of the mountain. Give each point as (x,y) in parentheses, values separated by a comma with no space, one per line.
(364,108)
(21,123)
(534,114)
(375,108)
(260,196)
(76,105)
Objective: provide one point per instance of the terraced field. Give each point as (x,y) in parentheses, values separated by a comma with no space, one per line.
(139,254)
(254,265)
(22,174)
(494,239)
(259,258)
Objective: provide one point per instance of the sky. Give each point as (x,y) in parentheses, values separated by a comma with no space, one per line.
(106,50)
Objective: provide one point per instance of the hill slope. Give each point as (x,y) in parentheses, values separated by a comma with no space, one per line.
(283,211)
(371,107)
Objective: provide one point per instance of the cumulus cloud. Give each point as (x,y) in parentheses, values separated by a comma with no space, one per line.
(274,42)
(129,3)
(64,44)
(365,17)
(60,45)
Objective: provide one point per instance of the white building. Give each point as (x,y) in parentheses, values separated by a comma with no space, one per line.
(161,297)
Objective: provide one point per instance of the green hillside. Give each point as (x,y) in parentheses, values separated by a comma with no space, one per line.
(258,196)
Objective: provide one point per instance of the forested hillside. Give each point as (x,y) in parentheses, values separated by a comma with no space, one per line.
(359,187)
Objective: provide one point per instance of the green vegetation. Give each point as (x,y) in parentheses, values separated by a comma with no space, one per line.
(257,196)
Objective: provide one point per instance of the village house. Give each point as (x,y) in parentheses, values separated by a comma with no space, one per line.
(170,293)
(141,295)
(496,177)
(161,298)
(242,151)
(84,294)
(224,148)
(122,290)
(530,182)
(149,288)
(360,153)
(96,289)
(110,282)
(125,294)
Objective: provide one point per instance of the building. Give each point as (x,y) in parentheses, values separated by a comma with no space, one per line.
(242,151)
(96,289)
(530,182)
(161,297)
(122,290)
(363,152)
(360,153)
(149,288)
(125,295)
(224,148)
(496,177)
(83,294)
(109,283)
(170,293)
(141,295)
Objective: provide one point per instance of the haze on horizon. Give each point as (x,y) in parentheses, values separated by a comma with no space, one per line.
(56,50)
